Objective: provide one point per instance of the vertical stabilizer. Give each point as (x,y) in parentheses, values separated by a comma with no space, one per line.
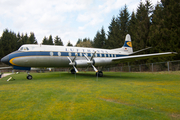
(127,47)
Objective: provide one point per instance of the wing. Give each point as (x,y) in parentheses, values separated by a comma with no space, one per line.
(138,57)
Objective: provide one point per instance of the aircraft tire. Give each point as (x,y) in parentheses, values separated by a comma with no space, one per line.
(29,77)
(73,71)
(99,74)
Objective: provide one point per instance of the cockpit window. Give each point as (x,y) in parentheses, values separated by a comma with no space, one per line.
(24,48)
(21,48)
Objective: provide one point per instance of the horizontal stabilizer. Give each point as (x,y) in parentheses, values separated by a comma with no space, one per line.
(138,57)
(2,68)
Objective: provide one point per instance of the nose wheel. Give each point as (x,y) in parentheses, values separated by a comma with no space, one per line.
(29,77)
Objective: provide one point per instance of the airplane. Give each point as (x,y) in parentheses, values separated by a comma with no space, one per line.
(31,55)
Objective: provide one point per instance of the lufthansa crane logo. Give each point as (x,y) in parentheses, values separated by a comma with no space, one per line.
(129,44)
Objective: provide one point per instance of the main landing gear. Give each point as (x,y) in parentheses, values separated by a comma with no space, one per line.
(99,74)
(73,71)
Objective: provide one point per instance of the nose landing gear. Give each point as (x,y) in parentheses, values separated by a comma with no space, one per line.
(29,77)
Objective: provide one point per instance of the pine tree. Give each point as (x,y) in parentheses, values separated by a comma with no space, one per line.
(118,29)
(19,40)
(50,40)
(58,41)
(24,38)
(123,20)
(113,35)
(69,44)
(32,39)
(100,39)
(45,41)
(103,38)
(96,41)
(164,33)
(143,16)
(78,42)
(8,42)
(132,28)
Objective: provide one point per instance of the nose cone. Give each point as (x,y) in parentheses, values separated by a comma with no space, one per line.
(5,60)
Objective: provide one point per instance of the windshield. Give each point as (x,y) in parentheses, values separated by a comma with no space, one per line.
(24,48)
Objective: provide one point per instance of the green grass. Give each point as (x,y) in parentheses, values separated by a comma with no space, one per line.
(114,96)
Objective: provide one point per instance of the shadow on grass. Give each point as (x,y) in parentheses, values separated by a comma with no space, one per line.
(109,75)
(82,75)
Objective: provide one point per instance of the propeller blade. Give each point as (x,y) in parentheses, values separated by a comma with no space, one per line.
(93,56)
(74,57)
(69,60)
(94,68)
(75,69)
(86,57)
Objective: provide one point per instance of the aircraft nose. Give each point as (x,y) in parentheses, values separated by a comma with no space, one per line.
(5,59)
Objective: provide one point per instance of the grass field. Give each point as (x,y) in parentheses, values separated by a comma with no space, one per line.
(114,96)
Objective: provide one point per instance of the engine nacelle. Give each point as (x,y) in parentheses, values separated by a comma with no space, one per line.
(81,63)
(101,62)
(95,61)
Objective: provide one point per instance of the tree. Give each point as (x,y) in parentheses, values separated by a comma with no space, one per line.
(164,32)
(24,38)
(58,41)
(132,28)
(32,39)
(143,16)
(8,42)
(123,20)
(19,40)
(118,29)
(113,35)
(85,43)
(78,42)
(100,39)
(50,40)
(45,41)
(69,44)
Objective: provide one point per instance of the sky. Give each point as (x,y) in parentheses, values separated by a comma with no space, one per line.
(69,19)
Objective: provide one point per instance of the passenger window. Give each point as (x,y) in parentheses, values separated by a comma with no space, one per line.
(59,53)
(51,53)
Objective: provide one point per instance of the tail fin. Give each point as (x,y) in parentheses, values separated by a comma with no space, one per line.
(127,47)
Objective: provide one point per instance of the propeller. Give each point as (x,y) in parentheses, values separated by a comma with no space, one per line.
(90,62)
(72,63)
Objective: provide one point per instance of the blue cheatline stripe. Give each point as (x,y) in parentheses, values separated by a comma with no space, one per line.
(55,53)
(21,68)
(19,54)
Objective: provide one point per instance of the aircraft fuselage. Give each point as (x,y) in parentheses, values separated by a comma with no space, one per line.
(56,56)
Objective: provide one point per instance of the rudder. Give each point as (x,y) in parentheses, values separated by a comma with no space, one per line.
(127,47)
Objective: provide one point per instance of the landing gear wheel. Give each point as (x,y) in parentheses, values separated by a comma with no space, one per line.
(73,71)
(29,77)
(99,73)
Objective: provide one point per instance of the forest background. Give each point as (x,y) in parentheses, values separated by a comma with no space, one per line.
(157,27)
